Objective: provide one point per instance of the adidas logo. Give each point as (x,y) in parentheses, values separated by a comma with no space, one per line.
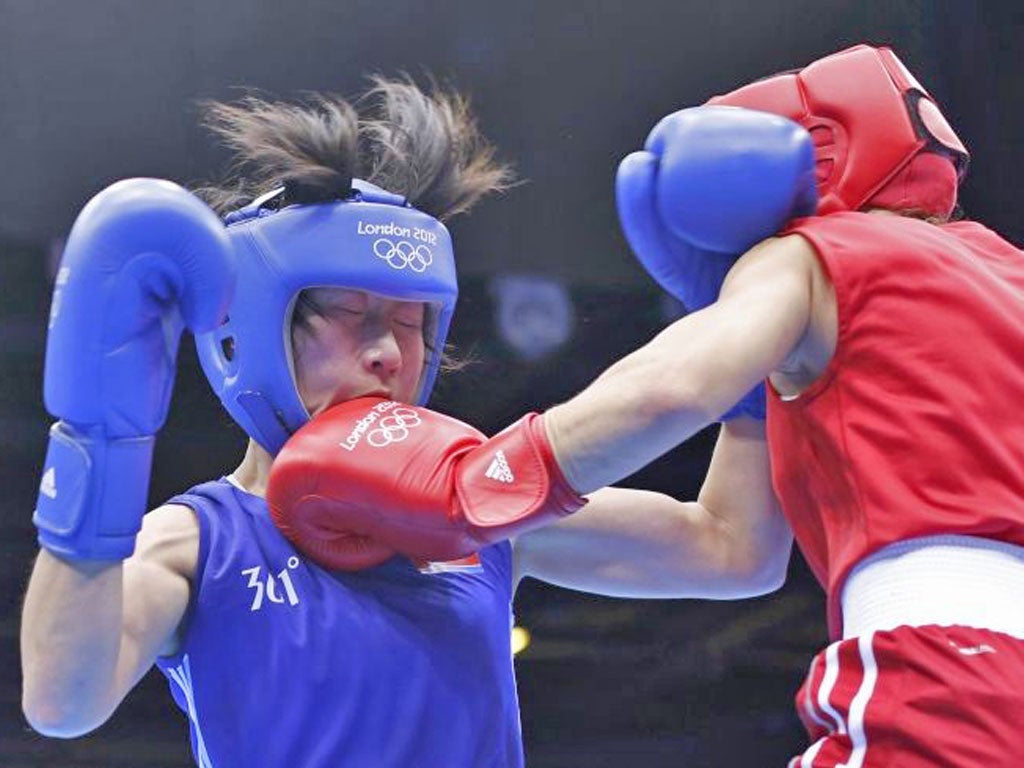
(48,485)
(499,469)
(973,650)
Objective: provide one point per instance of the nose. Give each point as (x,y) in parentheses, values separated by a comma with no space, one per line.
(381,356)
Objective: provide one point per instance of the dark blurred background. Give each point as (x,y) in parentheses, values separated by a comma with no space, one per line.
(95,91)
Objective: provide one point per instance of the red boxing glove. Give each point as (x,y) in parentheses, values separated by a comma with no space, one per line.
(370,478)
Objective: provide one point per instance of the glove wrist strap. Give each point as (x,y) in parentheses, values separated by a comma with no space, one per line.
(512,483)
(93,493)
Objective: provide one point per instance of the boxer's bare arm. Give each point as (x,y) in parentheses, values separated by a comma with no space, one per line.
(691,372)
(732,542)
(91,630)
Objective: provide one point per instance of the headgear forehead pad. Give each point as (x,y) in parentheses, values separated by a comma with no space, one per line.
(372,241)
(868,117)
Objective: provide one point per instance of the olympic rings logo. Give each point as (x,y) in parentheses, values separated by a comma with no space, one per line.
(401,254)
(393,428)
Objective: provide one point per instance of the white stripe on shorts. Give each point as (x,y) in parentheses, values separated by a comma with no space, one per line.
(857,709)
(809,707)
(807,761)
(828,682)
(859,705)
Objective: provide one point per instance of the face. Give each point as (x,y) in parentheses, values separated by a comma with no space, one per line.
(355,343)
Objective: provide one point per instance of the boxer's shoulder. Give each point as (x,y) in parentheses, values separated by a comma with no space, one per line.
(169,540)
(787,272)
(774,259)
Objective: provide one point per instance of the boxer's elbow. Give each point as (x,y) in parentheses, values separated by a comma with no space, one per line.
(762,580)
(718,560)
(57,722)
(60,714)
(758,568)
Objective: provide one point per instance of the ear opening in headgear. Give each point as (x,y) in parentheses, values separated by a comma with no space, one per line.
(227,348)
(931,126)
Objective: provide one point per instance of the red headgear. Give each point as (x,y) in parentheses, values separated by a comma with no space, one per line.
(869,119)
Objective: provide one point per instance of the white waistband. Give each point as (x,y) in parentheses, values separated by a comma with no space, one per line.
(943,580)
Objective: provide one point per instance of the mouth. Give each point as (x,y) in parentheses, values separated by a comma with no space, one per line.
(344,397)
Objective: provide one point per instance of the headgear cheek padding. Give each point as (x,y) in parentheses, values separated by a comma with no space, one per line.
(927,183)
(868,117)
(372,242)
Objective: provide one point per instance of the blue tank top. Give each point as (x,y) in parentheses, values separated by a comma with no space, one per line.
(286,665)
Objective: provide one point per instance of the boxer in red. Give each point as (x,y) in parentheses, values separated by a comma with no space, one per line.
(889,338)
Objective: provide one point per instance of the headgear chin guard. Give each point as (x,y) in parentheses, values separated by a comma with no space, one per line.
(868,117)
(373,241)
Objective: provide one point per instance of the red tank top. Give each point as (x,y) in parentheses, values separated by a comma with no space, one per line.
(916,427)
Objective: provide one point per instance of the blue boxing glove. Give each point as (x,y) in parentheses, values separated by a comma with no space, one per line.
(144,258)
(710,183)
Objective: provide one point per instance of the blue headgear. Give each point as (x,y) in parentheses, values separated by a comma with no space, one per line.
(373,241)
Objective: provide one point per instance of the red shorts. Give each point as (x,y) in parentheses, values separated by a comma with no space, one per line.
(916,697)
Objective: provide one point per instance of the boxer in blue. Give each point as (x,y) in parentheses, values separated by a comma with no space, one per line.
(321,288)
